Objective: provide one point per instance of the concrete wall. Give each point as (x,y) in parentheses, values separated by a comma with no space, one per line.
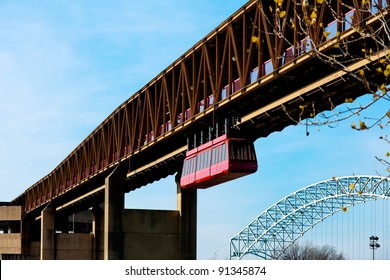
(34,250)
(11,243)
(10,213)
(69,246)
(147,235)
(151,234)
(74,246)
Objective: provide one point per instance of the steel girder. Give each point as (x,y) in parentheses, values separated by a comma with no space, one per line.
(171,100)
(275,229)
(199,82)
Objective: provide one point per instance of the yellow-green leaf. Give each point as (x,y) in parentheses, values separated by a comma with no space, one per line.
(382,87)
(362,125)
(282,14)
(279,2)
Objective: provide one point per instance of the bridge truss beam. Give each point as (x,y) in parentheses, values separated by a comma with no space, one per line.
(275,229)
(241,58)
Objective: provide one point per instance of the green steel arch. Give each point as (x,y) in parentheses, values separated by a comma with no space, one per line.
(274,230)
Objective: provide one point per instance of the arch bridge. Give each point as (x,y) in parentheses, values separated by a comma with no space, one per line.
(279,226)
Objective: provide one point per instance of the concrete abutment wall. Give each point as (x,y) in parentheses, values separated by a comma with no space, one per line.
(112,232)
(151,235)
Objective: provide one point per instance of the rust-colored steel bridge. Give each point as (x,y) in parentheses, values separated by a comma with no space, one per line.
(256,71)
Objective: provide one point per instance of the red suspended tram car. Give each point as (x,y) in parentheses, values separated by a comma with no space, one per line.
(218,161)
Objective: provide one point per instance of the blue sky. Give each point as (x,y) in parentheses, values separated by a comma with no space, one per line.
(66,65)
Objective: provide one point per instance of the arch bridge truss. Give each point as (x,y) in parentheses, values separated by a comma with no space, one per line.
(274,230)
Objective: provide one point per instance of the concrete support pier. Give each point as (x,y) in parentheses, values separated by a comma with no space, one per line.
(187,207)
(47,234)
(103,229)
(114,203)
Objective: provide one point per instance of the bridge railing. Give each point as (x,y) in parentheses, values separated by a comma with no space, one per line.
(350,20)
(238,53)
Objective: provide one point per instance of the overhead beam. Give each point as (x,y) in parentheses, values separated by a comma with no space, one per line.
(332,78)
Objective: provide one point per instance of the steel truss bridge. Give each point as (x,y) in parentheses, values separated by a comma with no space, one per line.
(257,86)
(275,229)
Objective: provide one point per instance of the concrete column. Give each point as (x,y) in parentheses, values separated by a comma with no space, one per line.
(187,206)
(98,232)
(48,234)
(114,204)
(25,225)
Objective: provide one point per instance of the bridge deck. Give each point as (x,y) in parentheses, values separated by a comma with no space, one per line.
(241,69)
